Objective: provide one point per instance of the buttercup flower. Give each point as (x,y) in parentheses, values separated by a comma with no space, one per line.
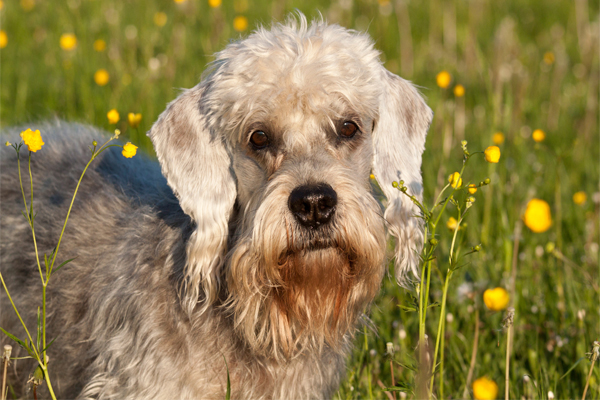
(160,19)
(538,135)
(33,140)
(113,116)
(68,41)
(99,45)
(27,5)
(3,39)
(579,198)
(498,138)
(472,188)
(549,57)
(452,223)
(240,23)
(492,154)
(101,77)
(214,3)
(496,299)
(129,150)
(459,90)
(537,216)
(455,180)
(485,389)
(179,1)
(443,79)
(134,119)
(7,143)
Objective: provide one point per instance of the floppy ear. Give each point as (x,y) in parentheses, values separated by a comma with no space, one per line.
(197,167)
(399,141)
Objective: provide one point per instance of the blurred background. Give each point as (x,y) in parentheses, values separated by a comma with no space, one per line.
(519,74)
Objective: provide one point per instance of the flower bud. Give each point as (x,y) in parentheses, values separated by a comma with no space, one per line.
(395,184)
(433,241)
(486,181)
(94,143)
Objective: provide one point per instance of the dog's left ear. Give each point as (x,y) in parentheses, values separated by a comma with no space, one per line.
(399,141)
(197,166)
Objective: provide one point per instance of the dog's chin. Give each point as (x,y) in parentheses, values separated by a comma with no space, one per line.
(306,299)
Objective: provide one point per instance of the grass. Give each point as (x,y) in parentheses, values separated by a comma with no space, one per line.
(525,65)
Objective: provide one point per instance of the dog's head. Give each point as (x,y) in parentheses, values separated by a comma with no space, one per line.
(270,155)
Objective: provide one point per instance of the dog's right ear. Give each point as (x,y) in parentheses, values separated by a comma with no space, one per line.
(197,167)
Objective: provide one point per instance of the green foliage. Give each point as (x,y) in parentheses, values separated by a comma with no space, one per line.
(496,50)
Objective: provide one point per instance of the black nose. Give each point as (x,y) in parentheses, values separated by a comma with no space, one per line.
(313,205)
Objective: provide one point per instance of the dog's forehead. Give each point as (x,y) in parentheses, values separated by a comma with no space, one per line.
(322,70)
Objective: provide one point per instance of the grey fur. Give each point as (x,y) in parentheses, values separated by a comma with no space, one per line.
(175,274)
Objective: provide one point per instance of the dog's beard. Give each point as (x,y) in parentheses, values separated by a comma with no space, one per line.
(290,291)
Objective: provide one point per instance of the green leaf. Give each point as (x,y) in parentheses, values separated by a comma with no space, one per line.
(408,308)
(572,368)
(64,262)
(48,346)
(434,304)
(16,339)
(400,387)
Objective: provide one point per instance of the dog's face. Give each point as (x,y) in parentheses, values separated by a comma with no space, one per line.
(270,155)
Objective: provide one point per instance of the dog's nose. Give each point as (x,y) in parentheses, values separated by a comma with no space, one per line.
(313,205)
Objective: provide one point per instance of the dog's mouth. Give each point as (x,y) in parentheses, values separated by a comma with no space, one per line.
(312,244)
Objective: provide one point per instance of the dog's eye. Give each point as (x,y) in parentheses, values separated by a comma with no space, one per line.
(259,139)
(348,129)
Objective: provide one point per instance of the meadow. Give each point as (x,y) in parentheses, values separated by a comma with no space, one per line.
(520,75)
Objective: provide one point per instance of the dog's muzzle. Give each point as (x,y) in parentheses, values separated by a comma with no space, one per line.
(313,205)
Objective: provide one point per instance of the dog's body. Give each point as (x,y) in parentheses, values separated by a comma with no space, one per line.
(263,245)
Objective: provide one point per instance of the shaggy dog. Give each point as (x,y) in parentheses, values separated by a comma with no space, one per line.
(261,243)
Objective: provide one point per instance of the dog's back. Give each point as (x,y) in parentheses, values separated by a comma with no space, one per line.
(124,225)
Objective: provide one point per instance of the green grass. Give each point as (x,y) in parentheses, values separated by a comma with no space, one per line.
(495,49)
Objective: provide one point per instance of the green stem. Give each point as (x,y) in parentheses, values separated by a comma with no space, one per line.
(19,315)
(94,155)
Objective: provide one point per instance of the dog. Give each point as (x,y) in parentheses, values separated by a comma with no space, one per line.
(253,255)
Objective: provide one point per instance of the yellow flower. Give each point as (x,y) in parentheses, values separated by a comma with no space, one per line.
(537,216)
(129,150)
(472,188)
(459,90)
(498,138)
(240,23)
(579,198)
(214,3)
(485,389)
(7,143)
(443,79)
(455,180)
(27,5)
(549,57)
(179,1)
(32,139)
(496,299)
(372,176)
(101,77)
(68,41)
(3,39)
(113,116)
(492,154)
(1,4)
(99,45)
(452,223)
(160,19)
(538,135)
(134,119)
